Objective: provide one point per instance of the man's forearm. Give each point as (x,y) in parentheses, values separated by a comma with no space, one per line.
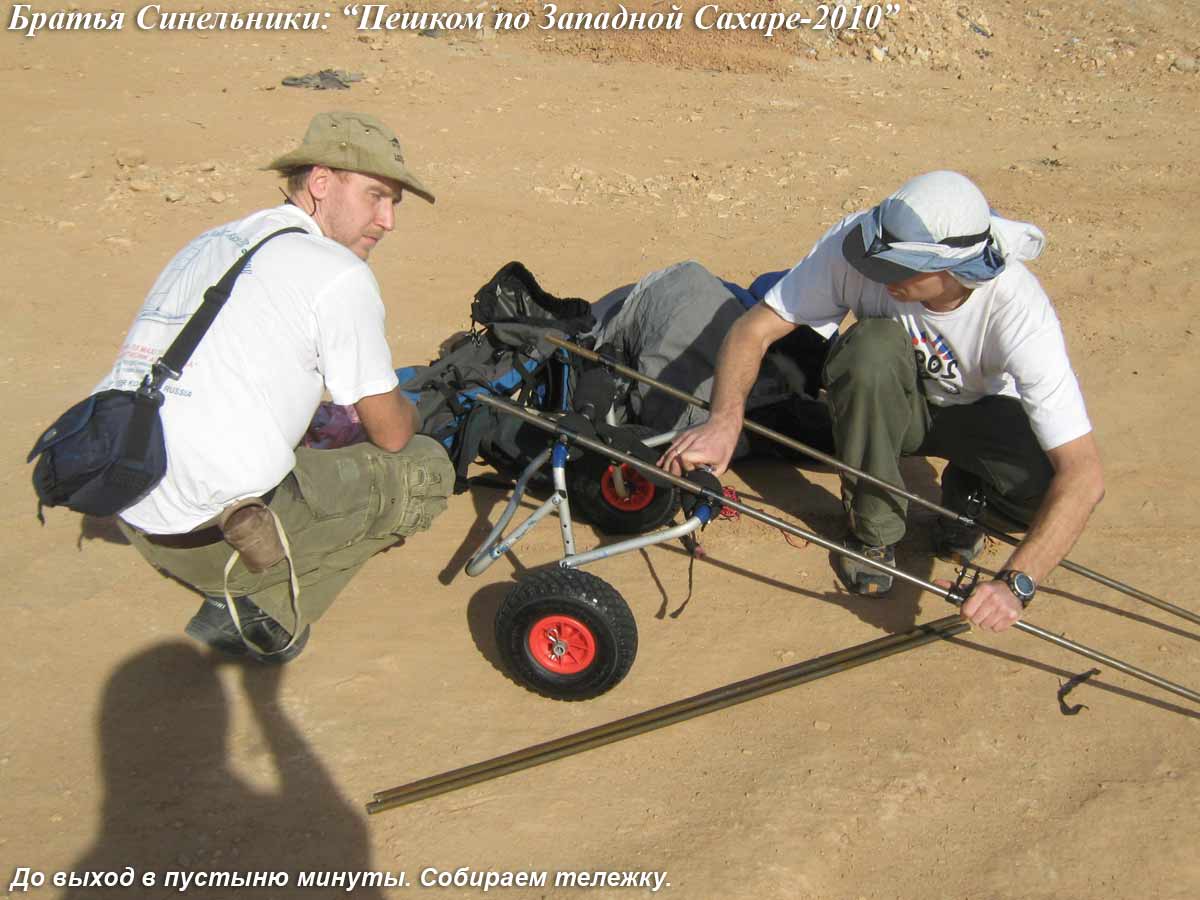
(738,362)
(1073,494)
(713,443)
(1059,523)
(388,419)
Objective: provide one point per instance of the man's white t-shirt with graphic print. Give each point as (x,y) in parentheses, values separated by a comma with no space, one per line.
(1005,339)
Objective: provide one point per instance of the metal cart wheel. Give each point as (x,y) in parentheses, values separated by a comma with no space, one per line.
(565,634)
(616,498)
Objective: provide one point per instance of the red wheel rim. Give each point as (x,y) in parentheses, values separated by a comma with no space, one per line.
(641,491)
(561,644)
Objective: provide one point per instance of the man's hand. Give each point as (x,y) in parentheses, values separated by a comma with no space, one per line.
(711,444)
(991,606)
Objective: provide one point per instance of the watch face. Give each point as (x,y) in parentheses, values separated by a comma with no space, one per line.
(1023,584)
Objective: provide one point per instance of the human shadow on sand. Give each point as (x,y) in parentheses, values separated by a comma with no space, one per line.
(97,528)
(174,803)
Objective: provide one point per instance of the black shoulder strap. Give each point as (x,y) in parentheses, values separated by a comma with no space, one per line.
(149,396)
(477,423)
(188,339)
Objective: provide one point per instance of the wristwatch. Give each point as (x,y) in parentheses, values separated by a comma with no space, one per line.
(1022,586)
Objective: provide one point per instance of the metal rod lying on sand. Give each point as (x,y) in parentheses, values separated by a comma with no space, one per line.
(836,463)
(951,595)
(660,717)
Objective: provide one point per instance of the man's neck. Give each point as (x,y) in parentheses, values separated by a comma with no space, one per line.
(952,300)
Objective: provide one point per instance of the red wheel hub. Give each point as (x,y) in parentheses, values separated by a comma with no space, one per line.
(639,491)
(561,644)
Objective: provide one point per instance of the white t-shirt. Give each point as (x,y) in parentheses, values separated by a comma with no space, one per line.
(1005,339)
(304,316)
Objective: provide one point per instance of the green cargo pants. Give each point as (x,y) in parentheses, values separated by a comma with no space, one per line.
(338,508)
(880,413)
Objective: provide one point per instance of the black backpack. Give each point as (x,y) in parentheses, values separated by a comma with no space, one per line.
(505,354)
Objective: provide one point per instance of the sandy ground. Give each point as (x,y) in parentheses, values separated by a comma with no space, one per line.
(946,772)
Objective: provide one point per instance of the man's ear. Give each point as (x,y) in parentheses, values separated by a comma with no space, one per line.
(319,181)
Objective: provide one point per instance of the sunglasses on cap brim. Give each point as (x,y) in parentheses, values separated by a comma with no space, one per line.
(867,261)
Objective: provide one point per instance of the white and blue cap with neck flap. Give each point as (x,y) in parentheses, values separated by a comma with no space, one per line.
(938,222)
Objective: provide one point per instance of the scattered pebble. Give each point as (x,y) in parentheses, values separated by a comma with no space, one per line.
(141,187)
(821,726)
(131,157)
(173,196)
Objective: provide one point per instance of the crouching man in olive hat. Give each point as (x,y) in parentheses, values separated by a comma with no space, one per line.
(304,317)
(956,353)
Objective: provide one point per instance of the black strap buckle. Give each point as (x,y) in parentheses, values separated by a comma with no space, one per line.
(964,585)
(151,386)
(975,504)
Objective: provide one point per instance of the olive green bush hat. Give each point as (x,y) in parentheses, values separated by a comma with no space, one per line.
(355,142)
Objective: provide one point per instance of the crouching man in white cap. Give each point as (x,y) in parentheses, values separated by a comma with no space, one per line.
(956,353)
(304,317)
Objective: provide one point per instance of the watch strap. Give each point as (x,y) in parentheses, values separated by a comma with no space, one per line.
(1009,577)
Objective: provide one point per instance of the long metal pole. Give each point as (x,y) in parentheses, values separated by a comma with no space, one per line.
(950,595)
(836,463)
(662,716)
(1101,657)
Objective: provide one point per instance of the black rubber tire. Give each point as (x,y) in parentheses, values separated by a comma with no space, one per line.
(585,477)
(587,599)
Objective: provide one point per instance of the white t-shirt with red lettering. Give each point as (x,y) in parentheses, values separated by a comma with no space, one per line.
(305,316)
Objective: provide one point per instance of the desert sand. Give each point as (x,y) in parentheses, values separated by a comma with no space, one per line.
(594,158)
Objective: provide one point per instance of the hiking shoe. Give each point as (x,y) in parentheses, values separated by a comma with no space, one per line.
(956,543)
(214,626)
(860,578)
